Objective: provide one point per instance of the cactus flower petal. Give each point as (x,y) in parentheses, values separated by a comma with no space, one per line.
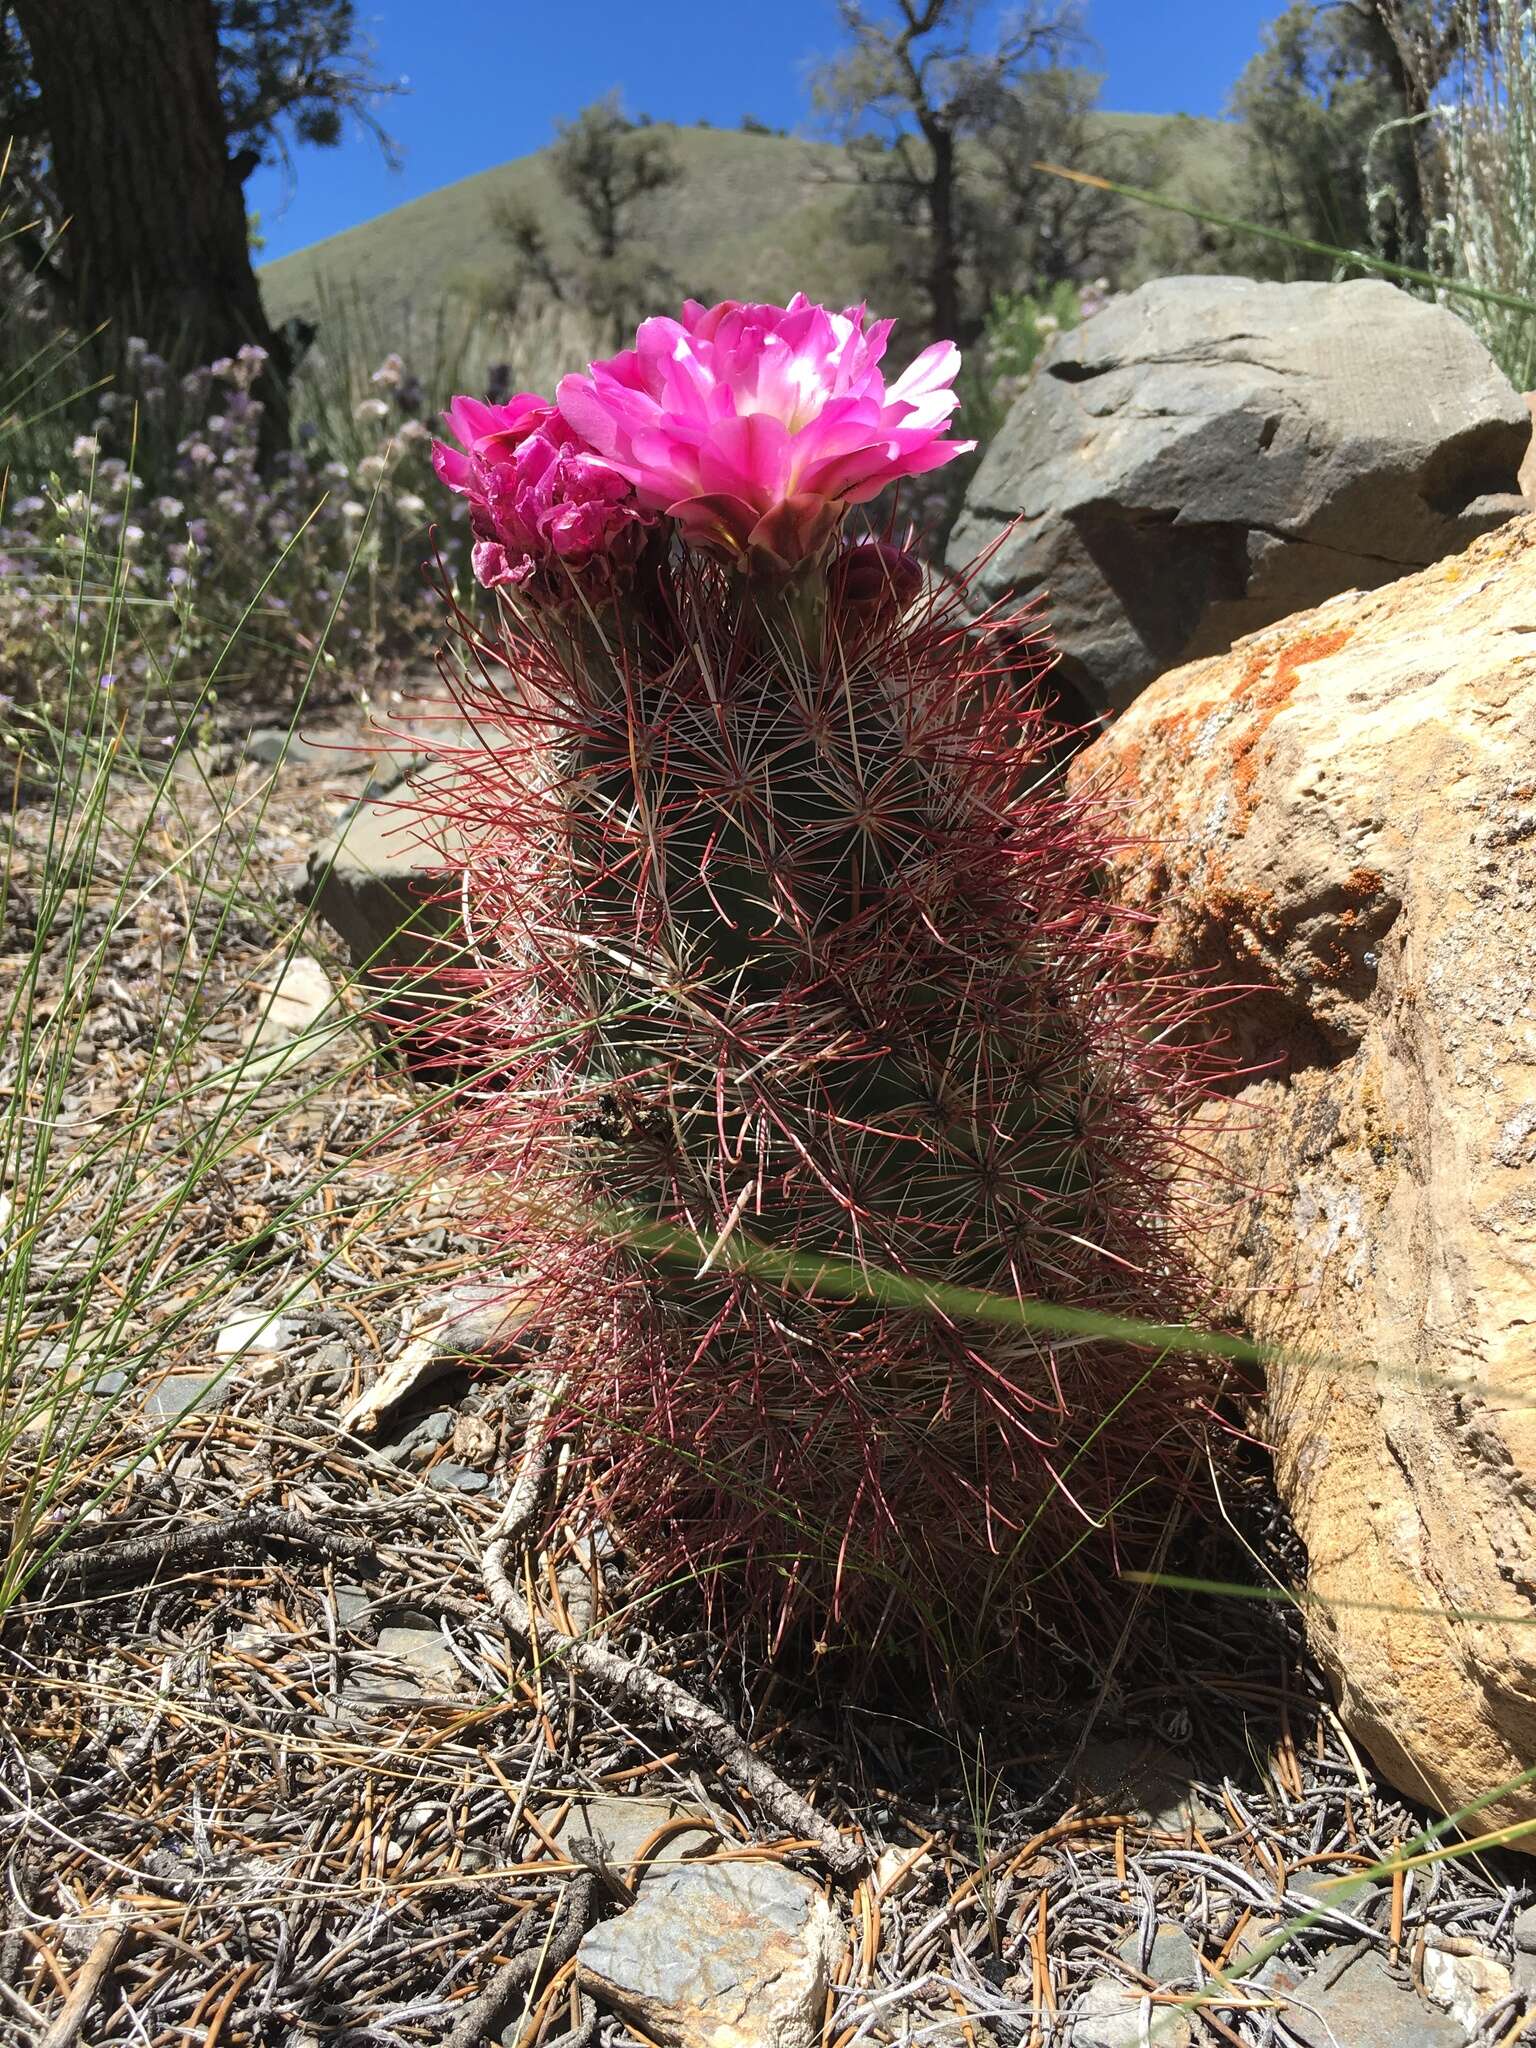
(734,418)
(541,502)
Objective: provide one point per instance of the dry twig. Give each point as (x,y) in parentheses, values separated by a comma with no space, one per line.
(630,1686)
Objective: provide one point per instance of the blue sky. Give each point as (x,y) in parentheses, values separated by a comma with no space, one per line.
(488,78)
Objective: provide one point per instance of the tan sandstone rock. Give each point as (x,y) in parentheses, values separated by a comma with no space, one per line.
(1341,812)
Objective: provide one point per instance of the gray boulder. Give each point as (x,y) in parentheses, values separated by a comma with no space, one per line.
(1208,455)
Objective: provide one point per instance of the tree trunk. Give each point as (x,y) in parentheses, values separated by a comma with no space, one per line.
(156,243)
(1415,83)
(943,259)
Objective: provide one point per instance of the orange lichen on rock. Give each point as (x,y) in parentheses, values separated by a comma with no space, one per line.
(1361,885)
(1266,702)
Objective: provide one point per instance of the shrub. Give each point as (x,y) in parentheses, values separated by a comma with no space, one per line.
(1021,323)
(777,850)
(1482,167)
(151,501)
(165,512)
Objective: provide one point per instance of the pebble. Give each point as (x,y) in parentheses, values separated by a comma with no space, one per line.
(274,744)
(1466,1985)
(1114,2014)
(448,1476)
(176,1393)
(1172,1959)
(292,1003)
(352,1603)
(422,1438)
(256,1330)
(1145,1778)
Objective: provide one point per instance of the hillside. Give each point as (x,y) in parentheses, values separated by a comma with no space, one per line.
(754,216)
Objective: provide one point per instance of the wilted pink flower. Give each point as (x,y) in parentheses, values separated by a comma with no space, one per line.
(755,427)
(536,494)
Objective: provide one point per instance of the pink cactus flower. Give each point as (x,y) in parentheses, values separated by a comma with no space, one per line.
(755,427)
(540,502)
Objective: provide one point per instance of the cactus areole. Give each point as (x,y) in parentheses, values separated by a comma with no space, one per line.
(787,952)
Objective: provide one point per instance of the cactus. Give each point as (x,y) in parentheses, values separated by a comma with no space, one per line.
(790,952)
(787,932)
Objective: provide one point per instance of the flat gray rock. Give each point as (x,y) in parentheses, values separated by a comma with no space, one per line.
(1171,1961)
(478,1318)
(1138,1776)
(256,1330)
(718,1955)
(384,880)
(1208,455)
(424,1656)
(276,745)
(177,1393)
(620,1828)
(1361,2006)
(449,1476)
(1113,2014)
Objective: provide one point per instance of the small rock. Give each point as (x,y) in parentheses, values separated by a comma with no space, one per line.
(1172,1962)
(292,1004)
(256,1330)
(1523,1930)
(1467,1986)
(272,745)
(384,881)
(423,1653)
(450,1477)
(1364,2006)
(352,1603)
(722,1955)
(483,1319)
(1115,2015)
(249,1637)
(1318,1889)
(423,1436)
(176,1393)
(622,1827)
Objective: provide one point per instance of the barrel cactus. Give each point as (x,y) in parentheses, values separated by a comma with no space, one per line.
(789,963)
